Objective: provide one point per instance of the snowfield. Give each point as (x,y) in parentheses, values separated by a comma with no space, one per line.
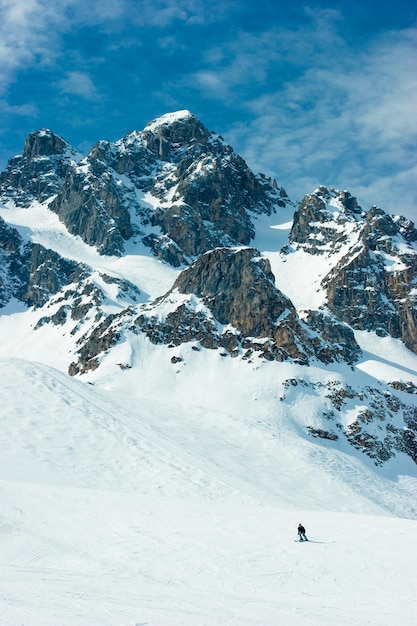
(88,557)
(141,512)
(169,494)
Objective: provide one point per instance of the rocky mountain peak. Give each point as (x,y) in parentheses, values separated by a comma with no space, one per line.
(325,221)
(169,133)
(370,258)
(175,186)
(239,288)
(44,143)
(37,174)
(169,119)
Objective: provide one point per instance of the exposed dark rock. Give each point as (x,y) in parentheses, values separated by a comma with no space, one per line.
(30,272)
(379,410)
(372,284)
(181,326)
(407,437)
(166,249)
(407,228)
(204,192)
(319,226)
(408,387)
(124,287)
(100,339)
(367,292)
(335,337)
(214,189)
(44,143)
(47,274)
(239,288)
(39,173)
(93,207)
(323,434)
(10,239)
(168,135)
(230,301)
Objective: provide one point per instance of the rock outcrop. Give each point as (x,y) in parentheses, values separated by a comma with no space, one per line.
(373,287)
(233,303)
(372,258)
(31,273)
(378,423)
(92,205)
(39,172)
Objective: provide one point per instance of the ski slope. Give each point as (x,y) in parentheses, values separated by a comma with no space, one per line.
(125,513)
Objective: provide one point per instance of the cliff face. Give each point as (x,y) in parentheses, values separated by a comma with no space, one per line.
(372,286)
(31,273)
(238,288)
(374,289)
(39,172)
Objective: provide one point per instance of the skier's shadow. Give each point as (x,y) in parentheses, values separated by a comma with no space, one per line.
(309,541)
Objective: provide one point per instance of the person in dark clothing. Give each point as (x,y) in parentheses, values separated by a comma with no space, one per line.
(302,532)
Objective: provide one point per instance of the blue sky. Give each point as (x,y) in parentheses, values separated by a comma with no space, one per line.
(309,93)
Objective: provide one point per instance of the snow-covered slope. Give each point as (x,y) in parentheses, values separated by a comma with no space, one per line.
(164,485)
(162,512)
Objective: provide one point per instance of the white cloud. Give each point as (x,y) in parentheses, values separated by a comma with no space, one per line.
(211,82)
(348,118)
(78,84)
(21,39)
(164,12)
(28,109)
(31,31)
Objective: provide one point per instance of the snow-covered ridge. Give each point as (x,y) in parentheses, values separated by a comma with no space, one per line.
(168,118)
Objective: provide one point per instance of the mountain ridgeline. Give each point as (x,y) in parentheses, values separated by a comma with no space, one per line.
(178,192)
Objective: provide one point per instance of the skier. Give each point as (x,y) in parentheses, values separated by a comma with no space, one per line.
(302,532)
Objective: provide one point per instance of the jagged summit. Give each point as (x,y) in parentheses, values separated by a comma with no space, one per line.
(371,269)
(169,118)
(175,187)
(44,142)
(39,173)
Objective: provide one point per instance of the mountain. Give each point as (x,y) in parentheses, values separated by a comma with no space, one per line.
(179,192)
(181,328)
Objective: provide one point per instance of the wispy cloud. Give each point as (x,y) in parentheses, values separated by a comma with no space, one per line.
(31,31)
(23,36)
(346,117)
(165,12)
(78,84)
(28,109)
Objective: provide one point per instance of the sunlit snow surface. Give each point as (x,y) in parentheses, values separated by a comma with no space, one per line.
(169,494)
